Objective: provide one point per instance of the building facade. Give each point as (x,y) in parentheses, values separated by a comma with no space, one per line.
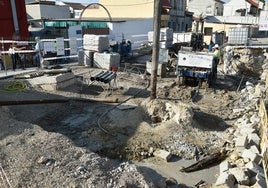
(205,8)
(46,10)
(13,20)
(180,19)
(75,8)
(242,8)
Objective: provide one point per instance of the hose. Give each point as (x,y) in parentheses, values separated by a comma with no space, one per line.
(16,86)
(110,109)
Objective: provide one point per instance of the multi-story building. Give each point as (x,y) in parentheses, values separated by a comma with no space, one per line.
(126,9)
(205,8)
(242,8)
(75,8)
(13,20)
(40,10)
(173,13)
(180,19)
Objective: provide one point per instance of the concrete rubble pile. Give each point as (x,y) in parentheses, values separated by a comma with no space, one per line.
(243,167)
(248,61)
(177,115)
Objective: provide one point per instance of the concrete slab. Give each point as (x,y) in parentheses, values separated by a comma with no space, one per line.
(162,154)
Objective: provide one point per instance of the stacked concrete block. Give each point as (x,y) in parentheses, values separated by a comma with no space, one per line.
(162,154)
(96,43)
(81,57)
(225,179)
(161,68)
(106,60)
(254,157)
(51,83)
(254,168)
(254,139)
(247,131)
(88,58)
(224,166)
(165,38)
(241,141)
(240,175)
(254,149)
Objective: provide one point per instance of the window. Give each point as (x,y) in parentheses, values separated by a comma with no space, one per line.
(208,31)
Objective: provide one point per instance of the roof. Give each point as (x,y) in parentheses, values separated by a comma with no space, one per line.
(254,2)
(243,20)
(75,6)
(41,3)
(219,1)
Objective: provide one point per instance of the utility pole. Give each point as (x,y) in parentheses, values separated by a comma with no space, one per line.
(155,56)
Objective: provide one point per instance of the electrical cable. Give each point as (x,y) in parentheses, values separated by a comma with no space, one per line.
(16,86)
(109,110)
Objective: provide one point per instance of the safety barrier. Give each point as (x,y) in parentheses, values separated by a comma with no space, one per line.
(54,49)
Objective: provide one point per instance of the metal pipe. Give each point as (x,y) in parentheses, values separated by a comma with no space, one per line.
(48,101)
(15,17)
(109,78)
(98,77)
(105,76)
(92,78)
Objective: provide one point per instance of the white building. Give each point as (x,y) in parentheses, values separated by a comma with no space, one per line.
(242,8)
(75,8)
(46,10)
(205,8)
(263,23)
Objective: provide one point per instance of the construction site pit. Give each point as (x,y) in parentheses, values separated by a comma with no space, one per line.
(56,120)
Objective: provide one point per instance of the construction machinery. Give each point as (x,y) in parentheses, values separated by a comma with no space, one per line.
(195,65)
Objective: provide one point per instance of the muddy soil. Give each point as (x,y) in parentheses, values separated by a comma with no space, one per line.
(47,144)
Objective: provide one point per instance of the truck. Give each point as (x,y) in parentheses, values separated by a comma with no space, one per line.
(195,65)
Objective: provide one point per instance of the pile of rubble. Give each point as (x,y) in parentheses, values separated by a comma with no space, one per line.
(244,164)
(247,61)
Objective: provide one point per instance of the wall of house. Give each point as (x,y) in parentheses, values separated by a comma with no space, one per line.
(33,11)
(263,24)
(216,28)
(7,30)
(178,21)
(37,11)
(208,7)
(231,7)
(122,9)
(134,30)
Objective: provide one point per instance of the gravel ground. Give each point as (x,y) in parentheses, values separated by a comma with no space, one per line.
(86,144)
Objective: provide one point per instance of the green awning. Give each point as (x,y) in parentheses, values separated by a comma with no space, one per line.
(65,24)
